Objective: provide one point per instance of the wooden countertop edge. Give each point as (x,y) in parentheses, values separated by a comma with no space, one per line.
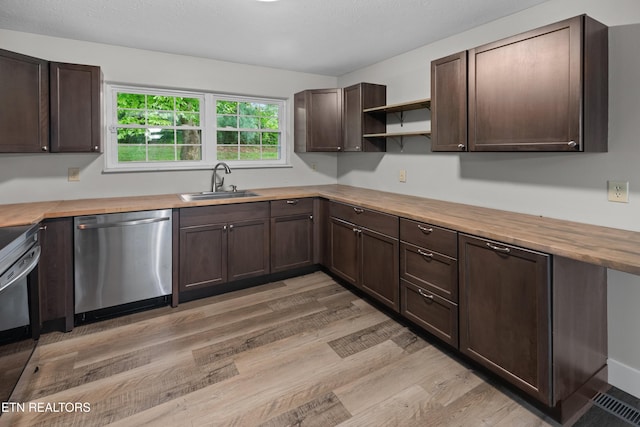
(608,247)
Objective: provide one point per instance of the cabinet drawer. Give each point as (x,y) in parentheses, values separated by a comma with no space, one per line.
(433,271)
(429,236)
(373,220)
(433,313)
(203,215)
(291,207)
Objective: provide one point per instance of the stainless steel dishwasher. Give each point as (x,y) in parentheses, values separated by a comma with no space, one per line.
(121,258)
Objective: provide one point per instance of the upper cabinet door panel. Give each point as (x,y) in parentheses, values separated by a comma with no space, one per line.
(24,103)
(318,120)
(449,103)
(526,93)
(75,108)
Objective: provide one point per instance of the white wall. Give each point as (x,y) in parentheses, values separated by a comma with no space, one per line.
(561,185)
(34,177)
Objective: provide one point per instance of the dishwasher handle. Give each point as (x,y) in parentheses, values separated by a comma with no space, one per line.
(26,264)
(123,223)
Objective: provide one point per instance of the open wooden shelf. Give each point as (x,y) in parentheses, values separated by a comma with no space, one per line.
(403,106)
(398,134)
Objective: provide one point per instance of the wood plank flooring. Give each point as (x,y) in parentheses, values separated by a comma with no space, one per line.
(300,352)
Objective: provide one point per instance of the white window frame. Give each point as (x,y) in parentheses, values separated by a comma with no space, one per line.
(208,124)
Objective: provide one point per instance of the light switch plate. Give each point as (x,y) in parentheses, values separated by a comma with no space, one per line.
(618,191)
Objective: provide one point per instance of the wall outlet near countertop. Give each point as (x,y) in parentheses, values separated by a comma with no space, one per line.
(618,191)
(73,174)
(403,175)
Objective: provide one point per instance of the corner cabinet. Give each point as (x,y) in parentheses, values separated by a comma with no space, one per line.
(539,321)
(543,90)
(335,120)
(317,120)
(75,108)
(24,104)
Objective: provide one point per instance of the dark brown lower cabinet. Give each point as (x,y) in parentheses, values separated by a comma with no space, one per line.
(292,234)
(536,320)
(224,243)
(55,272)
(366,258)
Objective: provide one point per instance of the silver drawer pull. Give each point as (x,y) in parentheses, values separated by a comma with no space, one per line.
(498,248)
(425,254)
(425,295)
(572,144)
(292,202)
(425,230)
(358,210)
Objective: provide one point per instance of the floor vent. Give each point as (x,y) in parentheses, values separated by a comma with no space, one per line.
(618,408)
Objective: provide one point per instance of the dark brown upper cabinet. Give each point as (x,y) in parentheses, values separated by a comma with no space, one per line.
(317,120)
(449,103)
(334,120)
(356,123)
(24,103)
(48,106)
(543,90)
(75,108)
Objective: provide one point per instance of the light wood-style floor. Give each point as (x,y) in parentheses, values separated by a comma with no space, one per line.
(300,352)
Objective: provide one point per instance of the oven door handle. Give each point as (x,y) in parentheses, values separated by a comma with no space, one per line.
(27,263)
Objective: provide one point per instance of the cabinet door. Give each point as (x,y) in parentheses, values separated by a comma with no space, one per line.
(344,257)
(291,242)
(75,108)
(449,103)
(318,120)
(24,103)
(504,312)
(379,267)
(525,91)
(203,256)
(248,249)
(356,123)
(55,272)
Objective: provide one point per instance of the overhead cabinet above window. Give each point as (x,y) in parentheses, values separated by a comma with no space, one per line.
(543,90)
(48,107)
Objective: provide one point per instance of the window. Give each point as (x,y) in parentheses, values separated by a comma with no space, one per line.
(155,129)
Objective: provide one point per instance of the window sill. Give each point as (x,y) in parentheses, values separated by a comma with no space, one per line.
(199,167)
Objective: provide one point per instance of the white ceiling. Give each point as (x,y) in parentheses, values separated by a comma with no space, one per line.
(330,37)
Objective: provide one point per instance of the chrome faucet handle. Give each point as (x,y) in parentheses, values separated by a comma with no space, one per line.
(234,188)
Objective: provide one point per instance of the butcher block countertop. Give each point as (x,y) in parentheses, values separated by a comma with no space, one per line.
(608,247)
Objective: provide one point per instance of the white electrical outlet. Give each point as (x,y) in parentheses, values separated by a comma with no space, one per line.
(403,175)
(618,191)
(73,174)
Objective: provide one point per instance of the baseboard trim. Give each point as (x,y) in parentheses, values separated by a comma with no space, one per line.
(624,377)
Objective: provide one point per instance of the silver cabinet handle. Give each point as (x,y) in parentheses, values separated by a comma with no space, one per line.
(224,228)
(425,254)
(498,248)
(425,295)
(311,217)
(45,148)
(123,223)
(358,210)
(572,144)
(95,148)
(292,202)
(230,227)
(461,146)
(425,230)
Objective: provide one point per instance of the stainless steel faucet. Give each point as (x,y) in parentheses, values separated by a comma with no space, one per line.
(215,185)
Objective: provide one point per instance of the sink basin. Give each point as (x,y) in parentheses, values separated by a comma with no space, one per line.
(209,195)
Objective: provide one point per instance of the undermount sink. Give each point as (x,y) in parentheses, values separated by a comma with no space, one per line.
(210,195)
